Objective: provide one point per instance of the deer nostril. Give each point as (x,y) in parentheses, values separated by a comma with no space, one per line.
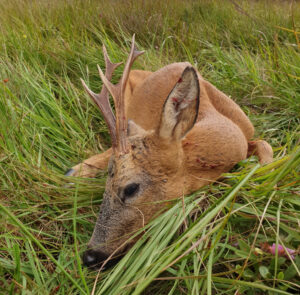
(89,259)
(93,259)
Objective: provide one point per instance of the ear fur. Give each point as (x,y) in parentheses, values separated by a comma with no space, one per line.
(180,110)
(134,129)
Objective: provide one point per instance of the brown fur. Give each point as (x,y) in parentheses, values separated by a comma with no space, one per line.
(167,167)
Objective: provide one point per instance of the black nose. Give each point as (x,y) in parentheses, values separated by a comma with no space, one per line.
(93,259)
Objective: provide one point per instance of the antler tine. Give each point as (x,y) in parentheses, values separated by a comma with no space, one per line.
(121,125)
(102,99)
(133,55)
(109,66)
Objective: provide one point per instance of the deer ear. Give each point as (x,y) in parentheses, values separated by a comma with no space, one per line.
(180,109)
(134,129)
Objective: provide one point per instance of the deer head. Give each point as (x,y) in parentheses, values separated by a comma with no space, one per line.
(146,167)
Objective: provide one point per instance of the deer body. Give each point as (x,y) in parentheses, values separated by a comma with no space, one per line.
(214,144)
(182,134)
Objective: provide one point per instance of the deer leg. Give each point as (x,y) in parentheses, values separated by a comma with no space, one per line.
(262,150)
(91,166)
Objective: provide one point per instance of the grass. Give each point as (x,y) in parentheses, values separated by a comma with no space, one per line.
(248,49)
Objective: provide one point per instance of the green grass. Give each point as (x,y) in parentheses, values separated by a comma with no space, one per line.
(48,124)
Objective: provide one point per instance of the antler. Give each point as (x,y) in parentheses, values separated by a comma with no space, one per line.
(117,127)
(117,91)
(102,99)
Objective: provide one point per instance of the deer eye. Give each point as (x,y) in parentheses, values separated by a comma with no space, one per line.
(131,189)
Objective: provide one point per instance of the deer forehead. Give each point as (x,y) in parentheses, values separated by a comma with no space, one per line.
(149,159)
(124,170)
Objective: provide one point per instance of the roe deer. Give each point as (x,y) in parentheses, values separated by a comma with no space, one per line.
(173,133)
